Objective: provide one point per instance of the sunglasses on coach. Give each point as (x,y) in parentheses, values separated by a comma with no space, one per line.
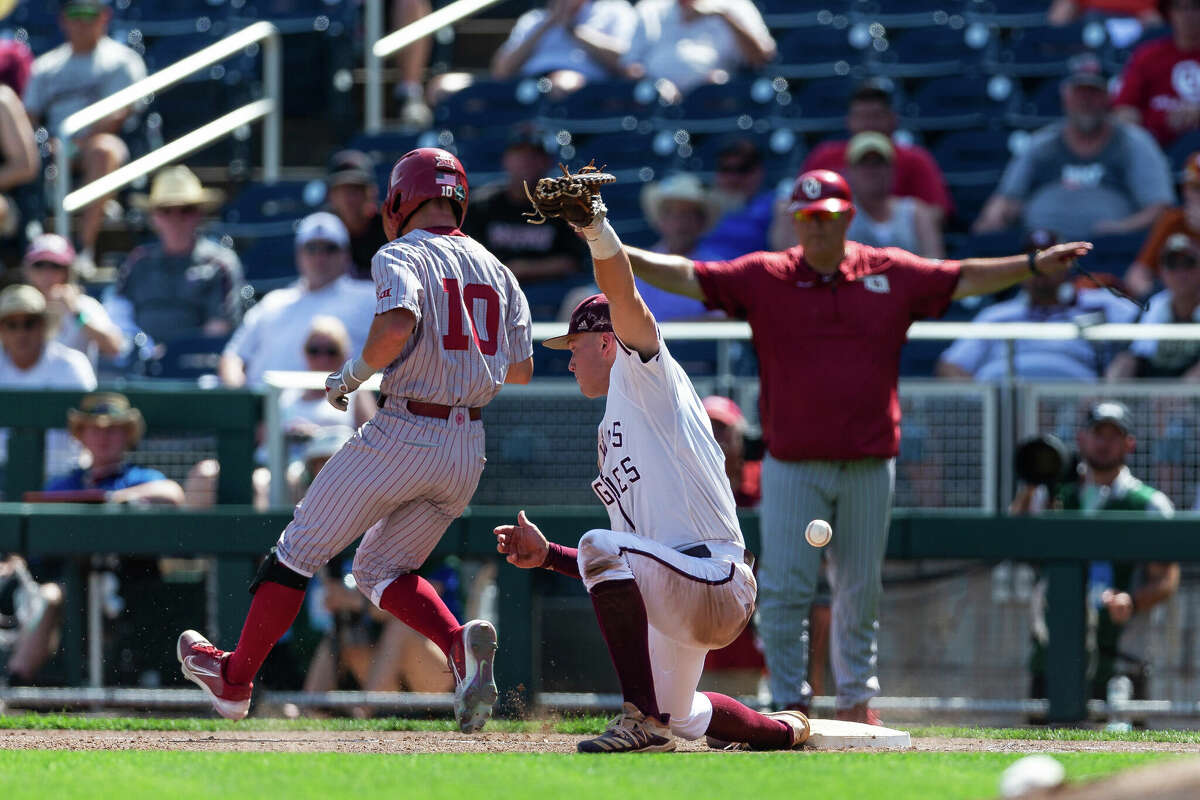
(322,248)
(316,350)
(807,215)
(21,323)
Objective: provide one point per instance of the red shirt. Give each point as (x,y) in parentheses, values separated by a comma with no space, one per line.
(917,174)
(829,346)
(1158,78)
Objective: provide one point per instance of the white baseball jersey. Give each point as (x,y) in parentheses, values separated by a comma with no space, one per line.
(662,474)
(472,318)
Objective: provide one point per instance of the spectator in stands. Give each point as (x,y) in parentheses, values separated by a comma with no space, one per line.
(353,196)
(1043,298)
(1160,89)
(30,621)
(182,284)
(917,174)
(79,320)
(570,42)
(1142,274)
(1116,590)
(746,202)
(19,160)
(1087,175)
(16,64)
(729,429)
(268,335)
(680,209)
(885,219)
(1065,12)
(497,221)
(109,428)
(1178,302)
(682,44)
(87,68)
(411,61)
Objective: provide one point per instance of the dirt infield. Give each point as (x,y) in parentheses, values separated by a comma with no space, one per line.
(423,742)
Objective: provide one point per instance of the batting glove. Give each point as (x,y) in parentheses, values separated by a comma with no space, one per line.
(340,384)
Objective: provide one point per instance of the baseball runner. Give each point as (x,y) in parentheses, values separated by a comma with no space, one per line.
(671,579)
(451,326)
(829,318)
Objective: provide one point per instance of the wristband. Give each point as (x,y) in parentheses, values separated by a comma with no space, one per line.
(1032,258)
(81,318)
(360,370)
(604,242)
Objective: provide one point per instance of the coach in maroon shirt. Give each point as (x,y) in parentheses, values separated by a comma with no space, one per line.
(828,318)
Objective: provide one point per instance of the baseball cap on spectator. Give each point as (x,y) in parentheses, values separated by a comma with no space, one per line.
(820,190)
(1086,69)
(526,136)
(868,142)
(50,247)
(723,410)
(590,316)
(1177,247)
(82,7)
(738,154)
(104,410)
(21,298)
(178,186)
(1111,412)
(681,186)
(322,227)
(350,166)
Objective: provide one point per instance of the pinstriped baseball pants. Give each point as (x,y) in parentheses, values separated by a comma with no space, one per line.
(400,480)
(856,499)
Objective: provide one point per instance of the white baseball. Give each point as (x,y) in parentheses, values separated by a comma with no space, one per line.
(818,533)
(1029,773)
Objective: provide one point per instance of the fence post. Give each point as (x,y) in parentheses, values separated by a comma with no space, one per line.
(515,660)
(1066,656)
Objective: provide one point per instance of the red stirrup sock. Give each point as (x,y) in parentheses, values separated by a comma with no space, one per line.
(272,612)
(413,600)
(622,615)
(734,722)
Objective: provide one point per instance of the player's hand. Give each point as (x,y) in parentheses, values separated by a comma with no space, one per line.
(1058,259)
(523,543)
(340,384)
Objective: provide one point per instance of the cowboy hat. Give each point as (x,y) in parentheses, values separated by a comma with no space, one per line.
(105,409)
(680,186)
(178,186)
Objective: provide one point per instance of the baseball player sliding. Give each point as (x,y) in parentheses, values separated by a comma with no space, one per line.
(671,580)
(451,326)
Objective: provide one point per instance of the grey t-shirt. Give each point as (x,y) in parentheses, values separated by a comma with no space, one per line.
(63,82)
(1068,194)
(172,296)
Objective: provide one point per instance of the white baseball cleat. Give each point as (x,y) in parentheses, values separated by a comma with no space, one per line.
(472,656)
(202,664)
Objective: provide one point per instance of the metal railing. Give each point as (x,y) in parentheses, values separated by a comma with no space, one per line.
(379,48)
(269,107)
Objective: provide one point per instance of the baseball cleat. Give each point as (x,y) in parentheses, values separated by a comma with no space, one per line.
(632,732)
(472,655)
(202,664)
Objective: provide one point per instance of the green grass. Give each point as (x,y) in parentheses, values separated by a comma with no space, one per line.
(573,725)
(522,776)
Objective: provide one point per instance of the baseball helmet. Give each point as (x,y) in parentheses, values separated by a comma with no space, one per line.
(820,190)
(421,175)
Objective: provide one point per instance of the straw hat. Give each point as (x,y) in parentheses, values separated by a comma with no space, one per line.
(105,409)
(680,186)
(178,186)
(21,298)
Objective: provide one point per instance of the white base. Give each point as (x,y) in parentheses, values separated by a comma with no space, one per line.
(835,734)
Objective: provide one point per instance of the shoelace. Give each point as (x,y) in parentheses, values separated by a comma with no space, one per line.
(207,650)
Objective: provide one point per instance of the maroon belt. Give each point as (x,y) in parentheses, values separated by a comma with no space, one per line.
(438,411)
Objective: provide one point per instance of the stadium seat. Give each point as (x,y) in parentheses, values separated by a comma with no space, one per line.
(822,51)
(816,106)
(722,108)
(926,52)
(960,102)
(905,13)
(1044,51)
(968,201)
(179,17)
(603,107)
(486,105)
(783,14)
(627,152)
(188,357)
(299,16)
(269,262)
(1037,108)
(262,209)
(1113,253)
(1007,13)
(972,156)
(386,146)
(1183,147)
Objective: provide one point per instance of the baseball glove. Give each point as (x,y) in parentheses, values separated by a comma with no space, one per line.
(575,198)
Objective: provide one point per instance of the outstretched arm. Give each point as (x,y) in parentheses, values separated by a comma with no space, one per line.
(674,274)
(987,275)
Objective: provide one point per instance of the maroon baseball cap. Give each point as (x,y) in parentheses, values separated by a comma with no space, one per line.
(724,410)
(820,190)
(50,247)
(590,316)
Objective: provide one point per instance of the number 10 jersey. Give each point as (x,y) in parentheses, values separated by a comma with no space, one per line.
(662,474)
(472,318)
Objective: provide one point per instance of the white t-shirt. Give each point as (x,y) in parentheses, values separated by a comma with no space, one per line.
(62,82)
(71,334)
(662,474)
(59,368)
(272,333)
(559,50)
(1180,353)
(686,52)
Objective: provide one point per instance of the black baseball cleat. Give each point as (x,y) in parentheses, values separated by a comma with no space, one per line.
(632,732)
